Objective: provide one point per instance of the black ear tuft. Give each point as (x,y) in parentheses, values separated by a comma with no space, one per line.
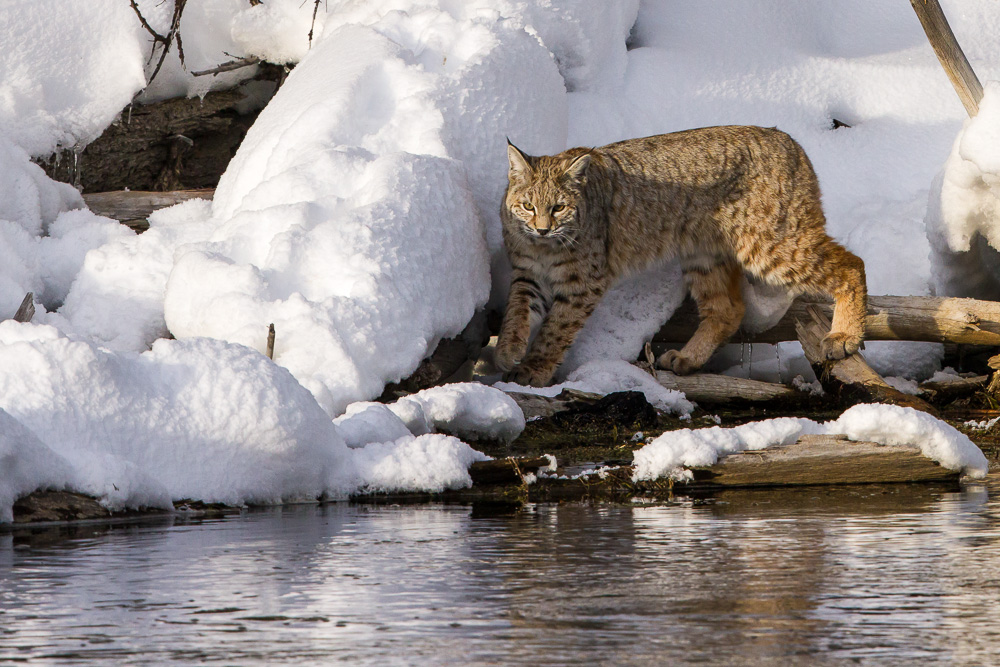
(520,166)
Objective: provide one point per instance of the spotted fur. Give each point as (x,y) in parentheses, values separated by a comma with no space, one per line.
(724,200)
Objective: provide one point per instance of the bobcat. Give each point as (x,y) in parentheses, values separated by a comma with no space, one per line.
(723,200)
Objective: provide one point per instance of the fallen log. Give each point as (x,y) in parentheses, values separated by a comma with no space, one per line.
(133,207)
(709,388)
(916,318)
(851,376)
(816,460)
(173,144)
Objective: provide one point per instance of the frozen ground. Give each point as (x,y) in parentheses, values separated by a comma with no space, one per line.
(360,216)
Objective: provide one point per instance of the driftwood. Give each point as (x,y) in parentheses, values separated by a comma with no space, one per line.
(133,207)
(27,308)
(533,405)
(822,460)
(952,58)
(851,376)
(949,391)
(709,388)
(917,318)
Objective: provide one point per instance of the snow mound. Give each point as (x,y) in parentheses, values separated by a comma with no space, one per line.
(885,424)
(468,410)
(198,419)
(366,422)
(431,462)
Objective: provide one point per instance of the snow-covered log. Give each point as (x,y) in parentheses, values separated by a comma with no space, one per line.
(820,460)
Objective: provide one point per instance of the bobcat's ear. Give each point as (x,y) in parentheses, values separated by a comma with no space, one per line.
(578,168)
(519,166)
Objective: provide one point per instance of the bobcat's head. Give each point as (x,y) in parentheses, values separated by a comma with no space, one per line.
(545,194)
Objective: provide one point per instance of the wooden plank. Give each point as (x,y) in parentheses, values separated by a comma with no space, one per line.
(822,460)
(919,318)
(133,207)
(949,53)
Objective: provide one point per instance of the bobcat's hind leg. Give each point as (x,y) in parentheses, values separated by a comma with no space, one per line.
(844,279)
(716,290)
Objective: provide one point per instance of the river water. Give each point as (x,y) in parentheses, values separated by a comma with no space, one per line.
(880,575)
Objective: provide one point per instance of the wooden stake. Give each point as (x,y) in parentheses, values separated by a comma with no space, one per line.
(27,309)
(270,341)
(952,58)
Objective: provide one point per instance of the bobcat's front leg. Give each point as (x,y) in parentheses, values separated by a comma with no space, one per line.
(565,319)
(526,306)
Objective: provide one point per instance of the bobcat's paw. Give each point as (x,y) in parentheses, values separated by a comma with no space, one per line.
(529,376)
(837,345)
(508,355)
(673,360)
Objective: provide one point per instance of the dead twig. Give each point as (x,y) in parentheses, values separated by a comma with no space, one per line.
(312,26)
(229,66)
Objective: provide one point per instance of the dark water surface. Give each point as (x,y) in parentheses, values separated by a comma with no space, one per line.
(873,576)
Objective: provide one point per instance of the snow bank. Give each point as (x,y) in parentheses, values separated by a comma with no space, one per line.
(208,420)
(963,212)
(198,419)
(885,424)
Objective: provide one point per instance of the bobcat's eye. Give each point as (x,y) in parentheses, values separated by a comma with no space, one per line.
(528,206)
(558,207)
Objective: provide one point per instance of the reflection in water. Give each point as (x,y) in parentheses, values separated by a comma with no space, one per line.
(871,576)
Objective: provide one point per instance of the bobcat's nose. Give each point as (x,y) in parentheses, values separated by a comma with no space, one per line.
(542,231)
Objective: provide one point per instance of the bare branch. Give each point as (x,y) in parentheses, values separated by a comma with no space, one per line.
(312,26)
(229,66)
(157,37)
